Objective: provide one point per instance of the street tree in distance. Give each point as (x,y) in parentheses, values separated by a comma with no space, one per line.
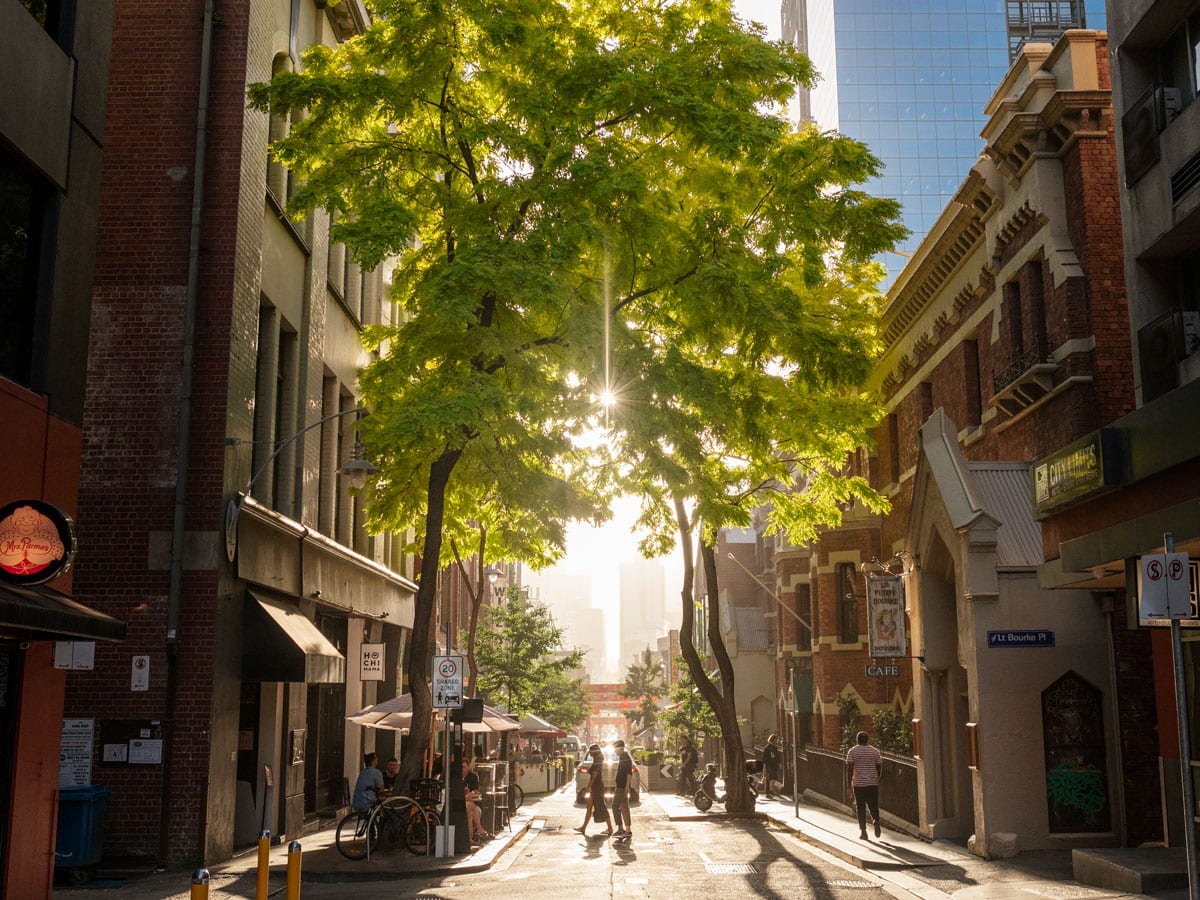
(533,168)
(687,712)
(644,685)
(519,649)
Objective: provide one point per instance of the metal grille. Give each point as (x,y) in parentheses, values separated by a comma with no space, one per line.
(1186,178)
(854,884)
(730,869)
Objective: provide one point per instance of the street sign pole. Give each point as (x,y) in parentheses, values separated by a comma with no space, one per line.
(1185,746)
(447,687)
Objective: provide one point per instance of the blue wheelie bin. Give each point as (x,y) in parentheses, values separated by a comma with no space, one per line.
(80,836)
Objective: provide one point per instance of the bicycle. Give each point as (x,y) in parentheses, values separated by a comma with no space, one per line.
(516,796)
(386,823)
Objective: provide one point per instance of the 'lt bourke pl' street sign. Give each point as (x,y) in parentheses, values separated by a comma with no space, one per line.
(1026,638)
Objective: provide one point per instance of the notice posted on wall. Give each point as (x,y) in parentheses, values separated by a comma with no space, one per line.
(145,752)
(75,753)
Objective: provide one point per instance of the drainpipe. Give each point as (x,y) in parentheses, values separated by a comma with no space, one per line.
(184,433)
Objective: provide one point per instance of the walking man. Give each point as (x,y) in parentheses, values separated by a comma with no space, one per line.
(621,792)
(772,760)
(688,759)
(864,763)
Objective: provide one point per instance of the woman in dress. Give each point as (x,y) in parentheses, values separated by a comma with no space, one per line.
(596,807)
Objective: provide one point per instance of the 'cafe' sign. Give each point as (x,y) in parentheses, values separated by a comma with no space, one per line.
(37,542)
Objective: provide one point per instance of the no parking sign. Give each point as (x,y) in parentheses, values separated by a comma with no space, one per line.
(1164,587)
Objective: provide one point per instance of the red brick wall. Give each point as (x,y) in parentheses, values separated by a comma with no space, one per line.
(130,457)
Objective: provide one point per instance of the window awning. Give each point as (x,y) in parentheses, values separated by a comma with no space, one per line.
(282,644)
(50,615)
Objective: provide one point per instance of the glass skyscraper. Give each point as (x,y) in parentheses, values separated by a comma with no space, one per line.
(910,79)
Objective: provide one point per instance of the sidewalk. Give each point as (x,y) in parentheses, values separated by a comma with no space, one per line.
(932,871)
(322,862)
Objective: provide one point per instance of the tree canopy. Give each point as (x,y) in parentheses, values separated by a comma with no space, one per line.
(644,684)
(581,197)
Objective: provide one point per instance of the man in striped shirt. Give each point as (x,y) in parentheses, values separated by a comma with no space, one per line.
(863,763)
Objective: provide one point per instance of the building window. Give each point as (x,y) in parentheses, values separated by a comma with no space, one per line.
(1013,326)
(925,399)
(278,127)
(1179,60)
(893,432)
(804,610)
(847,603)
(49,14)
(971,386)
(22,204)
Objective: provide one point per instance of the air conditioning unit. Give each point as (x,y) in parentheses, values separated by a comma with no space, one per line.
(1169,102)
(1139,134)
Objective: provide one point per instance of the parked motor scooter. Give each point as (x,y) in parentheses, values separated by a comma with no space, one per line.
(707,794)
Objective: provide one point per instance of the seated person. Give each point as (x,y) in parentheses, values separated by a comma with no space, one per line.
(369,783)
(390,773)
(471,792)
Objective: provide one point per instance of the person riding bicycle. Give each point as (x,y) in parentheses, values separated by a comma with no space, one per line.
(369,783)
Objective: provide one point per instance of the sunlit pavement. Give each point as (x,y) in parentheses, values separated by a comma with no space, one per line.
(898,862)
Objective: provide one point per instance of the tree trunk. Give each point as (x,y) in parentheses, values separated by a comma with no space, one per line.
(738,797)
(475,592)
(419,658)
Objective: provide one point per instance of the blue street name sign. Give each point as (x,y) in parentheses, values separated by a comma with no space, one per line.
(1030,638)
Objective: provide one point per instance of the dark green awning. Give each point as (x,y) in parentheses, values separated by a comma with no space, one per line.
(51,615)
(282,644)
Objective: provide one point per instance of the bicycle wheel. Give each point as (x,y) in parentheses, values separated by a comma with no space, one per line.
(516,796)
(387,827)
(419,830)
(353,835)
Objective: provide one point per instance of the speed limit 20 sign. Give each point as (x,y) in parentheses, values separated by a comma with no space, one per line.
(447,682)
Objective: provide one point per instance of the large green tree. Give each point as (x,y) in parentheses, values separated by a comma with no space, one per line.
(533,167)
(519,652)
(745,388)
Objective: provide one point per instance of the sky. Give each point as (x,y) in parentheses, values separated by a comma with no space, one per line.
(764,11)
(598,552)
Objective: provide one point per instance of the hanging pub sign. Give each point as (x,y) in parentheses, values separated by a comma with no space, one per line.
(885,615)
(37,542)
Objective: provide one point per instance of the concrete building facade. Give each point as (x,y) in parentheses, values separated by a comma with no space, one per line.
(1134,485)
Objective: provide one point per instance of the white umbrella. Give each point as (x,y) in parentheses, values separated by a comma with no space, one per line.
(396,715)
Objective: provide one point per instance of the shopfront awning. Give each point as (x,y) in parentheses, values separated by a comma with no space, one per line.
(282,644)
(50,615)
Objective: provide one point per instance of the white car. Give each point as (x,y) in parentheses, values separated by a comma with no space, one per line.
(583,774)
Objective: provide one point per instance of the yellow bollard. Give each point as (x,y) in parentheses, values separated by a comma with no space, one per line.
(200,884)
(293,871)
(264,865)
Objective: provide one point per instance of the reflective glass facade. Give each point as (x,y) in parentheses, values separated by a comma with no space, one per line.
(910,79)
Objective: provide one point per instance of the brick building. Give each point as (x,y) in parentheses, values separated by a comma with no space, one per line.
(1117,495)
(53,69)
(1004,342)
(220,408)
